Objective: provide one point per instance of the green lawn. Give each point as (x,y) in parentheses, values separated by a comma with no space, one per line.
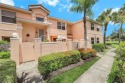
(105,51)
(112,73)
(71,75)
(113,44)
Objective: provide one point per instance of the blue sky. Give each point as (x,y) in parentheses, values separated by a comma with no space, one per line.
(60,8)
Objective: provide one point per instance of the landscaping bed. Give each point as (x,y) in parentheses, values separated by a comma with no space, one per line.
(71,75)
(55,61)
(87,53)
(117,74)
(7,71)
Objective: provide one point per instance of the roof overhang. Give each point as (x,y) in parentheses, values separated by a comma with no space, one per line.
(14,8)
(33,22)
(58,19)
(39,6)
(90,20)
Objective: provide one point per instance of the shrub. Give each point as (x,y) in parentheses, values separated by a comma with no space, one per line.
(5,55)
(4,46)
(109,44)
(120,62)
(54,61)
(98,47)
(86,54)
(3,42)
(7,71)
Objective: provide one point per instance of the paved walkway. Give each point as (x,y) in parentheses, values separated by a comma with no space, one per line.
(28,73)
(99,72)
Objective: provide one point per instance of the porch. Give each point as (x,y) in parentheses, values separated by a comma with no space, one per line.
(31,29)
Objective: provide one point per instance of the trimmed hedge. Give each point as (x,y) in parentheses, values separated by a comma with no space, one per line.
(7,71)
(5,55)
(98,47)
(54,61)
(88,53)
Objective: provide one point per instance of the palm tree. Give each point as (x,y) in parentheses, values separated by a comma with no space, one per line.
(105,18)
(117,18)
(85,7)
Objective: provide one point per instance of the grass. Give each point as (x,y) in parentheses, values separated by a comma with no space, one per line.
(71,75)
(113,44)
(105,51)
(113,72)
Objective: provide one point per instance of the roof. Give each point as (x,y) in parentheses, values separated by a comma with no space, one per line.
(38,5)
(91,20)
(55,18)
(14,8)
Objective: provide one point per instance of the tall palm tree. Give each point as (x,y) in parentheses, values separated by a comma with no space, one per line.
(118,19)
(105,18)
(85,7)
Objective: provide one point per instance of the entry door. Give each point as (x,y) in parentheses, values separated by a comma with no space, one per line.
(41,34)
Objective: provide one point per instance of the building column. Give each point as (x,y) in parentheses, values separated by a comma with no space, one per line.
(0,16)
(69,44)
(15,50)
(37,48)
(81,43)
(19,30)
(48,33)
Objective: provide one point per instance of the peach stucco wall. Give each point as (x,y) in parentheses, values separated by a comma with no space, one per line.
(74,29)
(39,12)
(78,31)
(7,29)
(53,28)
(20,14)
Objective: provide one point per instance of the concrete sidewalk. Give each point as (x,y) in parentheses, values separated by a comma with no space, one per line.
(99,72)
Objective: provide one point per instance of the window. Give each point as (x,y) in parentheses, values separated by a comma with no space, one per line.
(6,39)
(97,29)
(60,25)
(92,40)
(9,17)
(92,26)
(63,26)
(40,19)
(97,40)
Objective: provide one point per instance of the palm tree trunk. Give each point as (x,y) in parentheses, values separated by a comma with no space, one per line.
(105,35)
(120,33)
(85,30)
(119,38)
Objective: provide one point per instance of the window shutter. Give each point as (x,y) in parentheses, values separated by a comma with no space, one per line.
(8,14)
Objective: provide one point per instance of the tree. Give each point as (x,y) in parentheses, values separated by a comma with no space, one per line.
(117,18)
(85,7)
(105,18)
(115,34)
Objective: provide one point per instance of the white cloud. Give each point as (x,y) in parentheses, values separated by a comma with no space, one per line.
(63,7)
(49,2)
(111,23)
(9,2)
(115,9)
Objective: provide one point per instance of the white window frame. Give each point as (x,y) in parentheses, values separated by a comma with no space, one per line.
(61,26)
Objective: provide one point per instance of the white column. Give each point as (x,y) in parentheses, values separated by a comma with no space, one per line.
(48,33)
